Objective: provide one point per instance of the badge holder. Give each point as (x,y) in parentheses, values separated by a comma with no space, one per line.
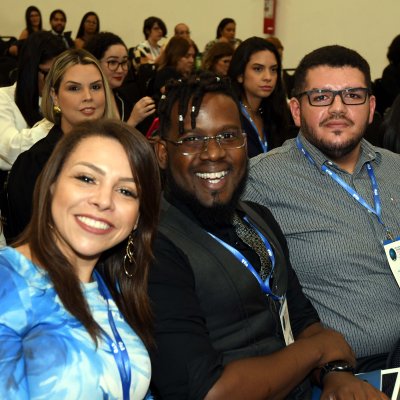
(392,250)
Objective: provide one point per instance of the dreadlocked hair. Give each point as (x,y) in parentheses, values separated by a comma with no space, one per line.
(191,91)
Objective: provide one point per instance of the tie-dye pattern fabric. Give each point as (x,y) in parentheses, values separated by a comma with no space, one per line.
(45,353)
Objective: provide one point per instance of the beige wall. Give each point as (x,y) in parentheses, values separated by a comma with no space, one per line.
(302,25)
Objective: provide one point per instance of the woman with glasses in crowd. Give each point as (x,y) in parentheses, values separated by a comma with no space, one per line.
(74,311)
(76,90)
(149,51)
(112,54)
(89,26)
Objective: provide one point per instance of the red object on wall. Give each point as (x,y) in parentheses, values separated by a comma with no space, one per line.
(269,16)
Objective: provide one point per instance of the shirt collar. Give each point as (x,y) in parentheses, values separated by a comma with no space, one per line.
(57,34)
(369,153)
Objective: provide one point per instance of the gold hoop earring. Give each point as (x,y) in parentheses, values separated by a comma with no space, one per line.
(130,256)
(57,110)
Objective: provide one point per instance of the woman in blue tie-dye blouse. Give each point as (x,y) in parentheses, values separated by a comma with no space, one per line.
(74,312)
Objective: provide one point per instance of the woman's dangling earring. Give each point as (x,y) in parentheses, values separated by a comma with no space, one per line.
(130,256)
(57,110)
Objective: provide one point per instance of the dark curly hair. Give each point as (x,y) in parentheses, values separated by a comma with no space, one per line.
(190,90)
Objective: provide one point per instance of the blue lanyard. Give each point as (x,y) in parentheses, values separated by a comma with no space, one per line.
(117,347)
(264,145)
(377,211)
(265,285)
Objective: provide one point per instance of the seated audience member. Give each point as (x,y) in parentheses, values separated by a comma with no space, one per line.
(58,20)
(217,328)
(390,81)
(255,71)
(112,54)
(390,128)
(76,90)
(149,51)
(226,31)
(89,26)
(177,61)
(182,30)
(21,122)
(61,283)
(218,58)
(337,199)
(33,23)
(33,19)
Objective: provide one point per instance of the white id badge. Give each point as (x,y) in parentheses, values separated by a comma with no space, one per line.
(285,323)
(392,250)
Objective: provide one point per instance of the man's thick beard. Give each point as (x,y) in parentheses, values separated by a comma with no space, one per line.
(211,218)
(331,151)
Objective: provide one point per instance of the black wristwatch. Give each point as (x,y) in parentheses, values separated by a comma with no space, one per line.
(334,366)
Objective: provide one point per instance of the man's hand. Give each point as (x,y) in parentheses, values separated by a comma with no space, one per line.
(346,386)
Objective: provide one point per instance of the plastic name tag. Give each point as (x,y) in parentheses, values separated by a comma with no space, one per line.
(386,380)
(285,323)
(392,250)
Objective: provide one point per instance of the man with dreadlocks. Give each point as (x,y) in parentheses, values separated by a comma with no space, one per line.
(231,321)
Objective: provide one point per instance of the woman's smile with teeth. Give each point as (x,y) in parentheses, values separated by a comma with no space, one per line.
(93,223)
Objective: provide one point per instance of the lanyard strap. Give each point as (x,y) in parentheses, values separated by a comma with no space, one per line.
(263,144)
(265,285)
(117,347)
(377,211)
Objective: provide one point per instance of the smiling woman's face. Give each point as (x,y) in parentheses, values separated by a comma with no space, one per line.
(95,203)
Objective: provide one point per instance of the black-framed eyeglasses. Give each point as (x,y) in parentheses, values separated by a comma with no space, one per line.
(114,64)
(325,97)
(193,144)
(43,72)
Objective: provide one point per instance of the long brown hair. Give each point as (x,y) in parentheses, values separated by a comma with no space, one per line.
(175,49)
(129,293)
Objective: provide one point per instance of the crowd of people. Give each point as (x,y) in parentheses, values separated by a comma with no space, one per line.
(249,250)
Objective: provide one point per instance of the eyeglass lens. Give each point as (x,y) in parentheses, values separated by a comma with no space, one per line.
(198,144)
(325,97)
(114,64)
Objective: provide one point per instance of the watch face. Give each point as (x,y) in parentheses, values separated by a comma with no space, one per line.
(339,365)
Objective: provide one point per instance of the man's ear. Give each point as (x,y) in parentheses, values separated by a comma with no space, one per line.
(372,106)
(294,105)
(160,148)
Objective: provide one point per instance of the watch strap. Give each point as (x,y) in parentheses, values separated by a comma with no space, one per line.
(335,366)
